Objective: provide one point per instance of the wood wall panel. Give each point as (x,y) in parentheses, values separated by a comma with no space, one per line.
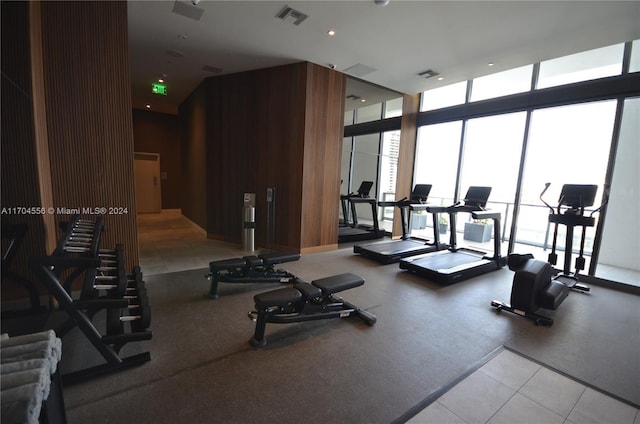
(194,176)
(261,129)
(254,133)
(160,133)
(280,145)
(88,103)
(322,157)
(230,142)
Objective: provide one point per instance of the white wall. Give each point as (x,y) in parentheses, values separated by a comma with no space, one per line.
(621,237)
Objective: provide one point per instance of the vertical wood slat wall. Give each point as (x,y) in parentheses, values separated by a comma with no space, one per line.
(88,103)
(263,129)
(194,176)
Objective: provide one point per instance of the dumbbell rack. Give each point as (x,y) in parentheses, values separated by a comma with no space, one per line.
(105,286)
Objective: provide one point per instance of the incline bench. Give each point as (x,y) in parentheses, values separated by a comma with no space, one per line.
(306,302)
(250,269)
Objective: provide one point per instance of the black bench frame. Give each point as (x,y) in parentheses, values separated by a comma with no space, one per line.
(306,302)
(250,269)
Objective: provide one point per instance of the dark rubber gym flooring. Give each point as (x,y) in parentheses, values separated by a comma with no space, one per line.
(203,370)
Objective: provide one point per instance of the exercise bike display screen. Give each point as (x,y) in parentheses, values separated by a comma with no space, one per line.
(578,195)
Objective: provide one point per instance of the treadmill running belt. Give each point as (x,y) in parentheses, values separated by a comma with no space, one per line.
(396,246)
(447,261)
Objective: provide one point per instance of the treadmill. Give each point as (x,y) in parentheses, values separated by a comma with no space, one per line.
(352,230)
(458,264)
(387,252)
(347,210)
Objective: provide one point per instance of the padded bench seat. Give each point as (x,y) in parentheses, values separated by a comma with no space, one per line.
(280,297)
(265,259)
(227,264)
(338,283)
(308,291)
(278,257)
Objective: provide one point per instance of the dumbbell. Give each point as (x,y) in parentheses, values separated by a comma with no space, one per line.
(138,315)
(111,277)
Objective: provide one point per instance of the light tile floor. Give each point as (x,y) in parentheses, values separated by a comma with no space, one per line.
(507,389)
(511,389)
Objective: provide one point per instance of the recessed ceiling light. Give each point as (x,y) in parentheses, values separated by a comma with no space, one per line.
(331,32)
(182,36)
(148,106)
(440,78)
(160,80)
(363,100)
(490,64)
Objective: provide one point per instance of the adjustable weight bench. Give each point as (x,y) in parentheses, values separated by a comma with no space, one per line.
(306,302)
(250,269)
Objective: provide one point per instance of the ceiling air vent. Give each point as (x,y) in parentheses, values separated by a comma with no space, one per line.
(353,97)
(429,73)
(188,10)
(211,69)
(359,70)
(291,15)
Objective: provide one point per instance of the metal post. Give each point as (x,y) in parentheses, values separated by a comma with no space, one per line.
(249,222)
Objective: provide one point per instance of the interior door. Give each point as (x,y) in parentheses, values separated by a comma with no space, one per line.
(147,174)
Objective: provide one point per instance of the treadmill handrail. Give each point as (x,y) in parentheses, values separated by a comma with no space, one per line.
(369,200)
(420,207)
(465,208)
(495,215)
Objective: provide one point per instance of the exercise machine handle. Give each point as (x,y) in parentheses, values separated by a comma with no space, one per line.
(546,187)
(606,200)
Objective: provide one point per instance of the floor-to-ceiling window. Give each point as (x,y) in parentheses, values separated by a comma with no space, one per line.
(542,124)
(436,162)
(492,150)
(567,145)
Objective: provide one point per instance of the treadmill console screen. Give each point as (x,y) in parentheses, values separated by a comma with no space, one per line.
(420,192)
(578,195)
(365,188)
(477,196)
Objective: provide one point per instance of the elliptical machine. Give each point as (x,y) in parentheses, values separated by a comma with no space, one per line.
(536,284)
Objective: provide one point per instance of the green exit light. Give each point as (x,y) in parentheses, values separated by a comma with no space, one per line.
(159,89)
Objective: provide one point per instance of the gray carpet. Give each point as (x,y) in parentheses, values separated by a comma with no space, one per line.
(341,371)
(595,339)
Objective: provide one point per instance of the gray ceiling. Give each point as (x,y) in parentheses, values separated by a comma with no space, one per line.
(387,46)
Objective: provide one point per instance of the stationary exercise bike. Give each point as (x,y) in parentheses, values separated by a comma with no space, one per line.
(537,285)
